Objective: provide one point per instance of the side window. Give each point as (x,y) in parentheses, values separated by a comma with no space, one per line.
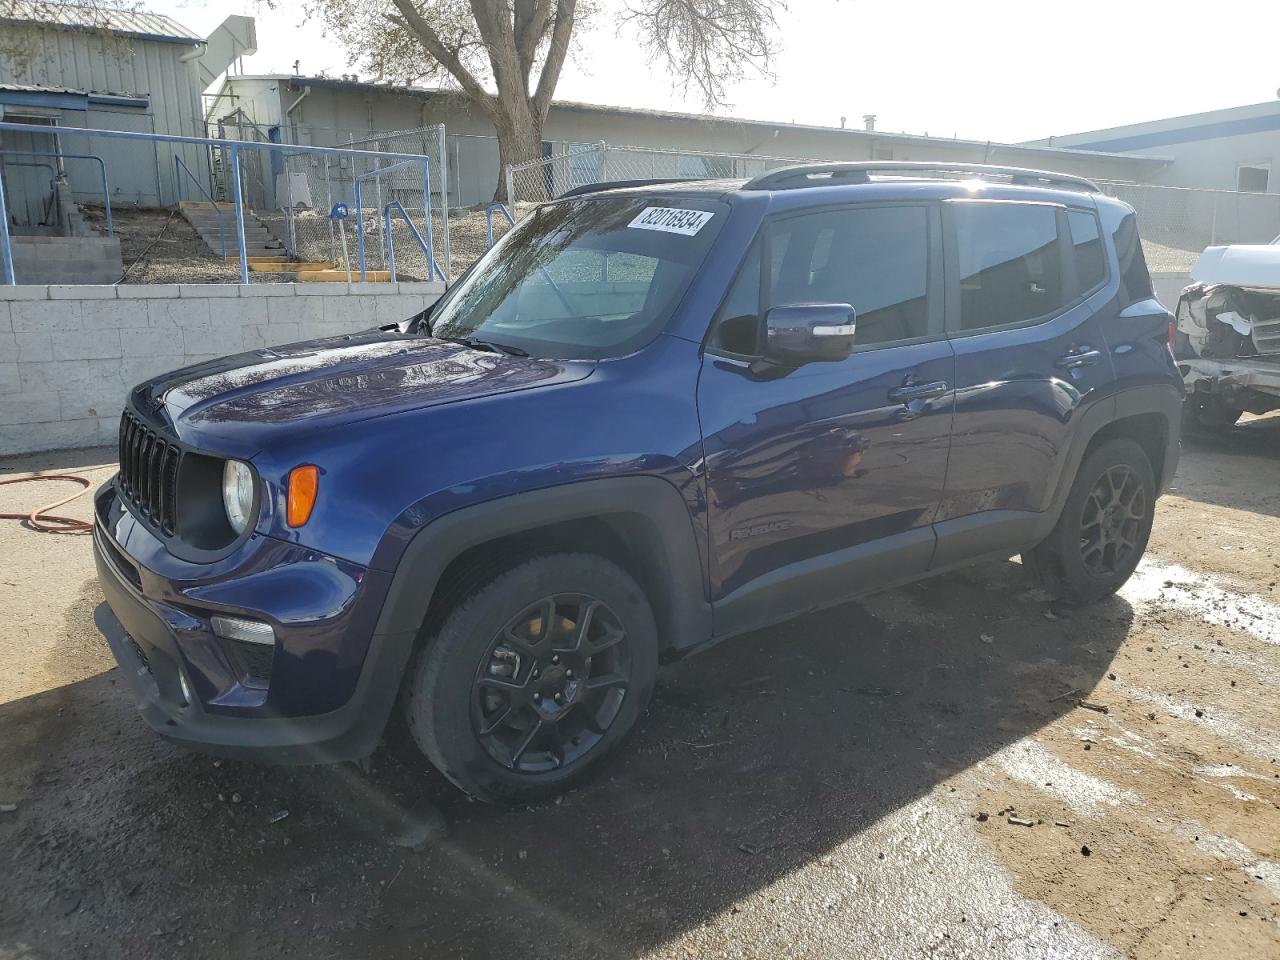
(1010,263)
(737,326)
(874,258)
(1135,281)
(1086,242)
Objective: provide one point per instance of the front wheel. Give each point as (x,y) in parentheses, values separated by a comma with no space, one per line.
(1104,527)
(534,677)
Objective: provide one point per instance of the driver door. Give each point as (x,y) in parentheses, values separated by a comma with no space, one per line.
(823,479)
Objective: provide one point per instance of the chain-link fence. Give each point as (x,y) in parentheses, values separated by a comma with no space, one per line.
(307,186)
(532,183)
(1177,223)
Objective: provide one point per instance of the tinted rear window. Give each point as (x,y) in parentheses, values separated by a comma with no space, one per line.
(1010,263)
(1135,281)
(1086,243)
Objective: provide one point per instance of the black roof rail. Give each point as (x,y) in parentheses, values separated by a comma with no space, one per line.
(620,184)
(824,174)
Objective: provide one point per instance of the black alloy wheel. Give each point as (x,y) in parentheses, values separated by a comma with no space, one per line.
(552,683)
(1112,522)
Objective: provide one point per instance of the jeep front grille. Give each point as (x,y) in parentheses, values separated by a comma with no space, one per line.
(149,472)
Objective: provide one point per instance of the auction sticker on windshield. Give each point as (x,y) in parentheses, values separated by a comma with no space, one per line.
(672,220)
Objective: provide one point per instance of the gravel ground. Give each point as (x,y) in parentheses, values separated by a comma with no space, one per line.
(841,786)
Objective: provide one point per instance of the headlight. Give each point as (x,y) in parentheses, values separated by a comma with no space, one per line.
(237,494)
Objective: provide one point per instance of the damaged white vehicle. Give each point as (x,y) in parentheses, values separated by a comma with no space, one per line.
(1229,334)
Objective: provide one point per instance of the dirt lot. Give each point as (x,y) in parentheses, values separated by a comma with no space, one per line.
(841,786)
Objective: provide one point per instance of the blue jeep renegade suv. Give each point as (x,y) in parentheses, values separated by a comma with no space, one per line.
(654,416)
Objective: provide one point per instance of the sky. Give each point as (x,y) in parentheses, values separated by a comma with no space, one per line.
(1004,70)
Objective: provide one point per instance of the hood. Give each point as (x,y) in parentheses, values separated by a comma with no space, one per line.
(335,381)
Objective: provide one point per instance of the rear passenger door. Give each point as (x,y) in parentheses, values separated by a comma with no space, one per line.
(1025,281)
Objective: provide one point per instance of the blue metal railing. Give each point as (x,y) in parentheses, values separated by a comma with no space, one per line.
(433,269)
(178,168)
(102,173)
(378,172)
(488,221)
(233,150)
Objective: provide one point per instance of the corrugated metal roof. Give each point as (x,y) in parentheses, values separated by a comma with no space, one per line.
(134,23)
(38,88)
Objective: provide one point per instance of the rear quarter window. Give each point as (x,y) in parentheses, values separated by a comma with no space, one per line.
(1087,250)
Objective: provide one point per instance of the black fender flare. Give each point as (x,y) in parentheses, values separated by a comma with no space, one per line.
(669,545)
(1161,399)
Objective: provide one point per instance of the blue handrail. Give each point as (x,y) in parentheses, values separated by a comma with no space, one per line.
(433,269)
(488,221)
(178,168)
(102,172)
(426,202)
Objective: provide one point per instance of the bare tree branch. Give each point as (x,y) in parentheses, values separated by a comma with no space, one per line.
(708,44)
(557,51)
(447,58)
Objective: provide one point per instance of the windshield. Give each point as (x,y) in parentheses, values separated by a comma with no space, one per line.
(583,279)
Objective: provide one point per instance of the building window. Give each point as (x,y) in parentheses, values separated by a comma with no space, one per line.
(1253,178)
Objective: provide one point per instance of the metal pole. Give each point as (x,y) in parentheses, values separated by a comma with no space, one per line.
(328,190)
(239,201)
(6,251)
(391,244)
(359,230)
(377,180)
(511,193)
(432,269)
(444,201)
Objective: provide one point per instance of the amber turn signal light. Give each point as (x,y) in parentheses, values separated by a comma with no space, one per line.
(304,485)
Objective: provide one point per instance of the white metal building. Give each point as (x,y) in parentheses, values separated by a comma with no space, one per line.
(105,69)
(1233,149)
(329,111)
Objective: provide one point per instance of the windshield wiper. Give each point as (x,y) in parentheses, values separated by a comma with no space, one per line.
(475,343)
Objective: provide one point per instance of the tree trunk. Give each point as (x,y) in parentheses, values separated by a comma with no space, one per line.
(519,141)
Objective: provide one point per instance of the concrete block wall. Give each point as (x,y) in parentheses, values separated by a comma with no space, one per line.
(41,260)
(69,354)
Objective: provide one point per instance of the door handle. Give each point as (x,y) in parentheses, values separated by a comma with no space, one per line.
(1078,358)
(918,391)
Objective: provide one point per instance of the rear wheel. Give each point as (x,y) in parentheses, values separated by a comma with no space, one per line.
(1104,527)
(535,677)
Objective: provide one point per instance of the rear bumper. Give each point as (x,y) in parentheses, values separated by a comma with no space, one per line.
(153,643)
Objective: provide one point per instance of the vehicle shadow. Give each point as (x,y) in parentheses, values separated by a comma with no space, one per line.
(755,759)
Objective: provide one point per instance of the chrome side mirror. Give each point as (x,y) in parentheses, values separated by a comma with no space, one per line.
(806,332)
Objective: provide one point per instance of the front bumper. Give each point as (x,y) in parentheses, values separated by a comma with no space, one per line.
(186,693)
(1232,378)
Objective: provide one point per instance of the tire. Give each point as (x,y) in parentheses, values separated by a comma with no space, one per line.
(1102,532)
(1210,414)
(470,692)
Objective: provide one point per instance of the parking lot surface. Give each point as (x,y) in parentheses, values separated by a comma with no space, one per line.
(909,776)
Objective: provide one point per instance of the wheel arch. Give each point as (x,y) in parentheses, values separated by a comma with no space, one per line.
(640,523)
(1151,415)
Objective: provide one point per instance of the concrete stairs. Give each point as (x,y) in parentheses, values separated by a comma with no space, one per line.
(266,254)
(258,243)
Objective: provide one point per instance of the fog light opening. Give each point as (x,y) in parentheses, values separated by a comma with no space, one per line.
(187,696)
(248,631)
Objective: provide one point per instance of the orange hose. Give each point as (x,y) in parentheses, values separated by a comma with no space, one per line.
(47,522)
